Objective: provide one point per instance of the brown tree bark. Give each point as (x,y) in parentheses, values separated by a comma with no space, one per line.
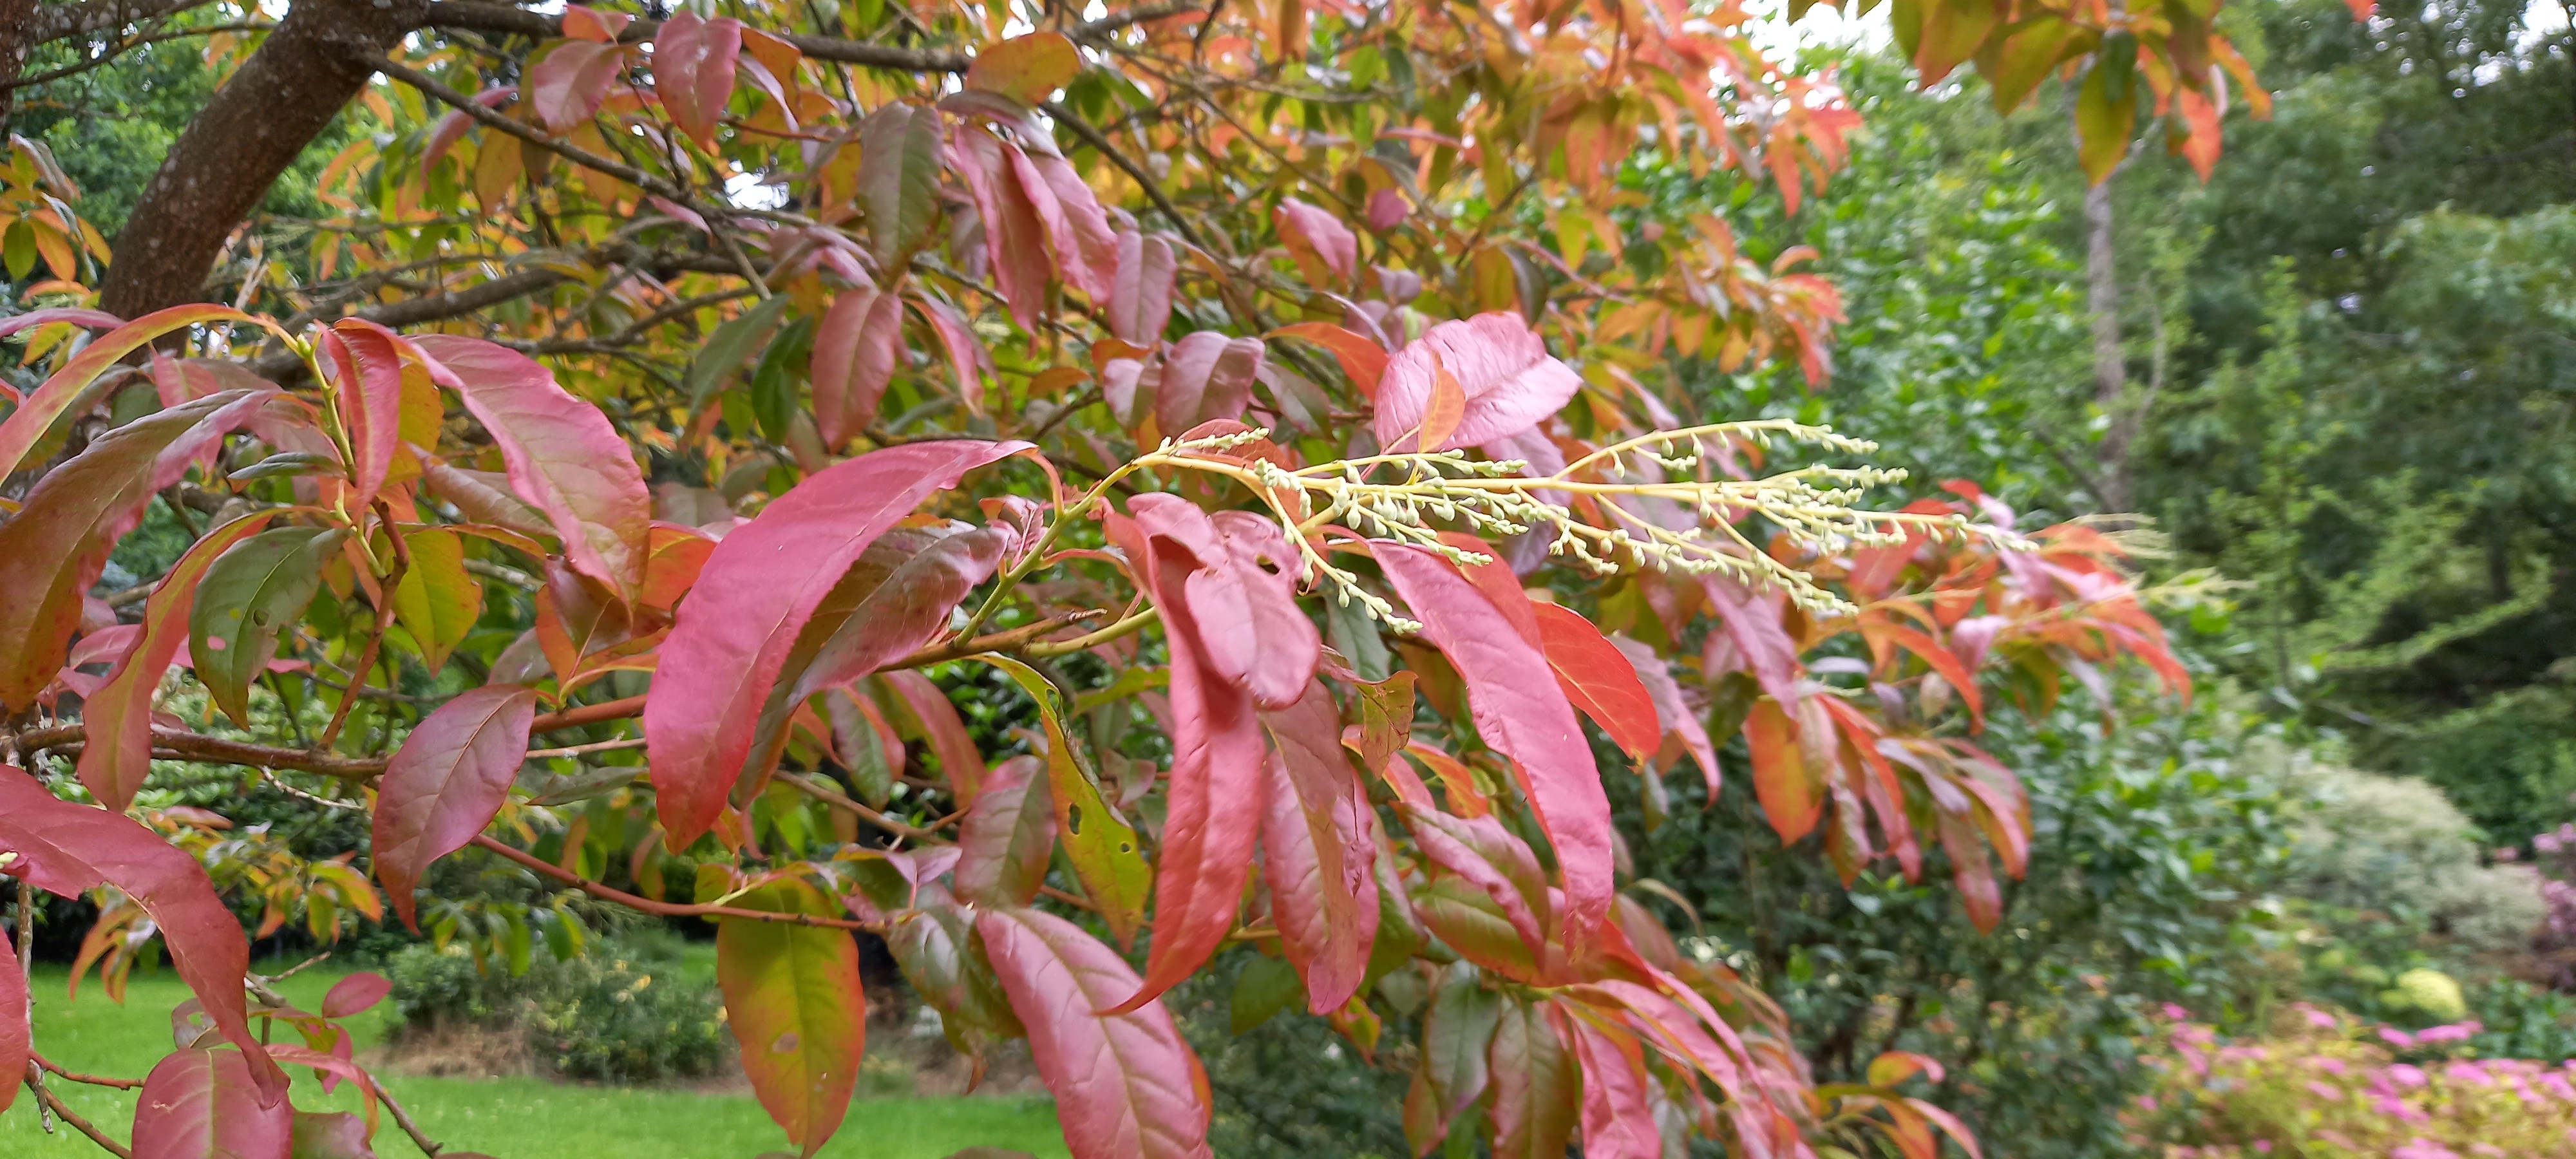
(2110,366)
(17,35)
(256,125)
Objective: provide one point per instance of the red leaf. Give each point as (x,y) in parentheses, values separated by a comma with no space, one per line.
(1126,1086)
(570,84)
(1618,1122)
(1207,376)
(56,545)
(905,612)
(446,783)
(757,590)
(1214,802)
(1086,247)
(793,999)
(208,1104)
(1027,69)
(1318,842)
(1507,379)
(1362,360)
(64,848)
(355,994)
(1015,239)
(1008,836)
(856,349)
(1599,679)
(1140,301)
(1441,414)
(26,426)
(1326,251)
(1781,778)
(562,454)
(118,714)
(1536,1085)
(1519,710)
(1755,622)
(693,71)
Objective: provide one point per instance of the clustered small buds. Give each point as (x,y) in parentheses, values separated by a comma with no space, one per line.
(1816,508)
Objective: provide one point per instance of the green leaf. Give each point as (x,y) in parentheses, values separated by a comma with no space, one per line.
(1102,846)
(437,601)
(730,346)
(1456,1035)
(899,164)
(793,1000)
(1264,987)
(248,599)
(2103,122)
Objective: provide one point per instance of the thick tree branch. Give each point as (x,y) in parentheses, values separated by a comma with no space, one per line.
(249,132)
(60,21)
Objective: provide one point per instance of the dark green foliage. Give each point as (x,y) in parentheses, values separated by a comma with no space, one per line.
(630,1011)
(2151,857)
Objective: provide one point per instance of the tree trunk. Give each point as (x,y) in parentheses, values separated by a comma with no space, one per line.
(17,35)
(2110,367)
(253,128)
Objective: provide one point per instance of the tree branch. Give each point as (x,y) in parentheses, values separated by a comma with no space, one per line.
(665,908)
(485,16)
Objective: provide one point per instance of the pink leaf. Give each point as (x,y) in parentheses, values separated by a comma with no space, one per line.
(562,454)
(27,425)
(907,611)
(966,356)
(1015,238)
(1326,251)
(1754,620)
(856,349)
(1618,1122)
(946,731)
(1086,248)
(570,84)
(208,1104)
(446,783)
(1519,710)
(355,994)
(1680,725)
(119,712)
(57,544)
(1214,804)
(14,1043)
(75,315)
(693,71)
(1126,1086)
(1207,376)
(65,848)
(452,128)
(367,368)
(1318,842)
(1008,836)
(1509,379)
(1140,302)
(755,593)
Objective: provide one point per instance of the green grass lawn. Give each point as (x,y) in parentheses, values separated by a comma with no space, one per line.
(510,1118)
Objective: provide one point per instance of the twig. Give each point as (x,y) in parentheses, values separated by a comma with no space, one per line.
(35,1082)
(830,796)
(270,776)
(402,1119)
(391,582)
(86,1079)
(664,908)
(624,742)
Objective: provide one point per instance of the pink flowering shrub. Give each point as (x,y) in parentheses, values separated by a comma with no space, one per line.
(2325,1086)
